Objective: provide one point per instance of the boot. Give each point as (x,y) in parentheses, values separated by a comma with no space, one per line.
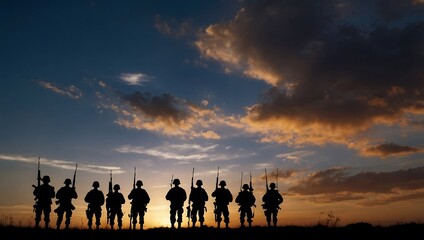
(141,226)
(179,225)
(201,224)
(134,226)
(226,225)
(46,225)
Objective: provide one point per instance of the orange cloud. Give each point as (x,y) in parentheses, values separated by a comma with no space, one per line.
(331,79)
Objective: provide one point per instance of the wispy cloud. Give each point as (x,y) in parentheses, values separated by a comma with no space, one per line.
(296,156)
(172,27)
(135,78)
(70,91)
(188,152)
(63,164)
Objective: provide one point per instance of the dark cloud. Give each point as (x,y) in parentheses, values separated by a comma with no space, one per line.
(338,180)
(390,149)
(273,175)
(165,107)
(337,67)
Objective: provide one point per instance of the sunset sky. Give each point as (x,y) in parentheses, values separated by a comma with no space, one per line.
(330,93)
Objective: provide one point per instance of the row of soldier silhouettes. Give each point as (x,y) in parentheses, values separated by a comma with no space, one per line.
(140,198)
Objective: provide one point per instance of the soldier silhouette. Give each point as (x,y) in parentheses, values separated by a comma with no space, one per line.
(246,200)
(43,194)
(95,199)
(176,196)
(198,197)
(65,195)
(140,198)
(223,197)
(115,201)
(272,199)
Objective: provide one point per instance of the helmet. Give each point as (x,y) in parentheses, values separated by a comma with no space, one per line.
(199,182)
(139,183)
(116,187)
(272,185)
(176,181)
(96,184)
(46,179)
(67,181)
(245,186)
(222,183)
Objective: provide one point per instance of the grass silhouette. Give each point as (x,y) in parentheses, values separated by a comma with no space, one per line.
(357,231)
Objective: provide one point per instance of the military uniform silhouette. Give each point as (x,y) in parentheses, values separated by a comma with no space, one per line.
(272,199)
(43,194)
(198,197)
(223,197)
(246,200)
(140,198)
(177,196)
(115,201)
(65,195)
(95,199)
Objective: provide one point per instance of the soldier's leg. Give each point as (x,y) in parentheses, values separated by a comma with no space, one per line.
(172,218)
(201,215)
(180,216)
(268,217)
(249,216)
(98,215)
(38,212)
(89,215)
(242,216)
(275,217)
(112,219)
(194,212)
(47,211)
(59,212)
(141,221)
(68,218)
(134,218)
(120,214)
(226,216)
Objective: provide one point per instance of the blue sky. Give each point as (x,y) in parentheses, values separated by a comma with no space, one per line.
(329,93)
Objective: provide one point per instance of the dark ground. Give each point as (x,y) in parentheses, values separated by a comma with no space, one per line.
(359,231)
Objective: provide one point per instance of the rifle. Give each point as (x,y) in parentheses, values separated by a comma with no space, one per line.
(188,207)
(131,215)
(172,179)
(38,184)
(75,173)
(216,187)
(266,181)
(251,190)
(250,183)
(108,199)
(241,181)
(277,180)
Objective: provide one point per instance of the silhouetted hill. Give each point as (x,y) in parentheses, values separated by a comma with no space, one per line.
(359,231)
